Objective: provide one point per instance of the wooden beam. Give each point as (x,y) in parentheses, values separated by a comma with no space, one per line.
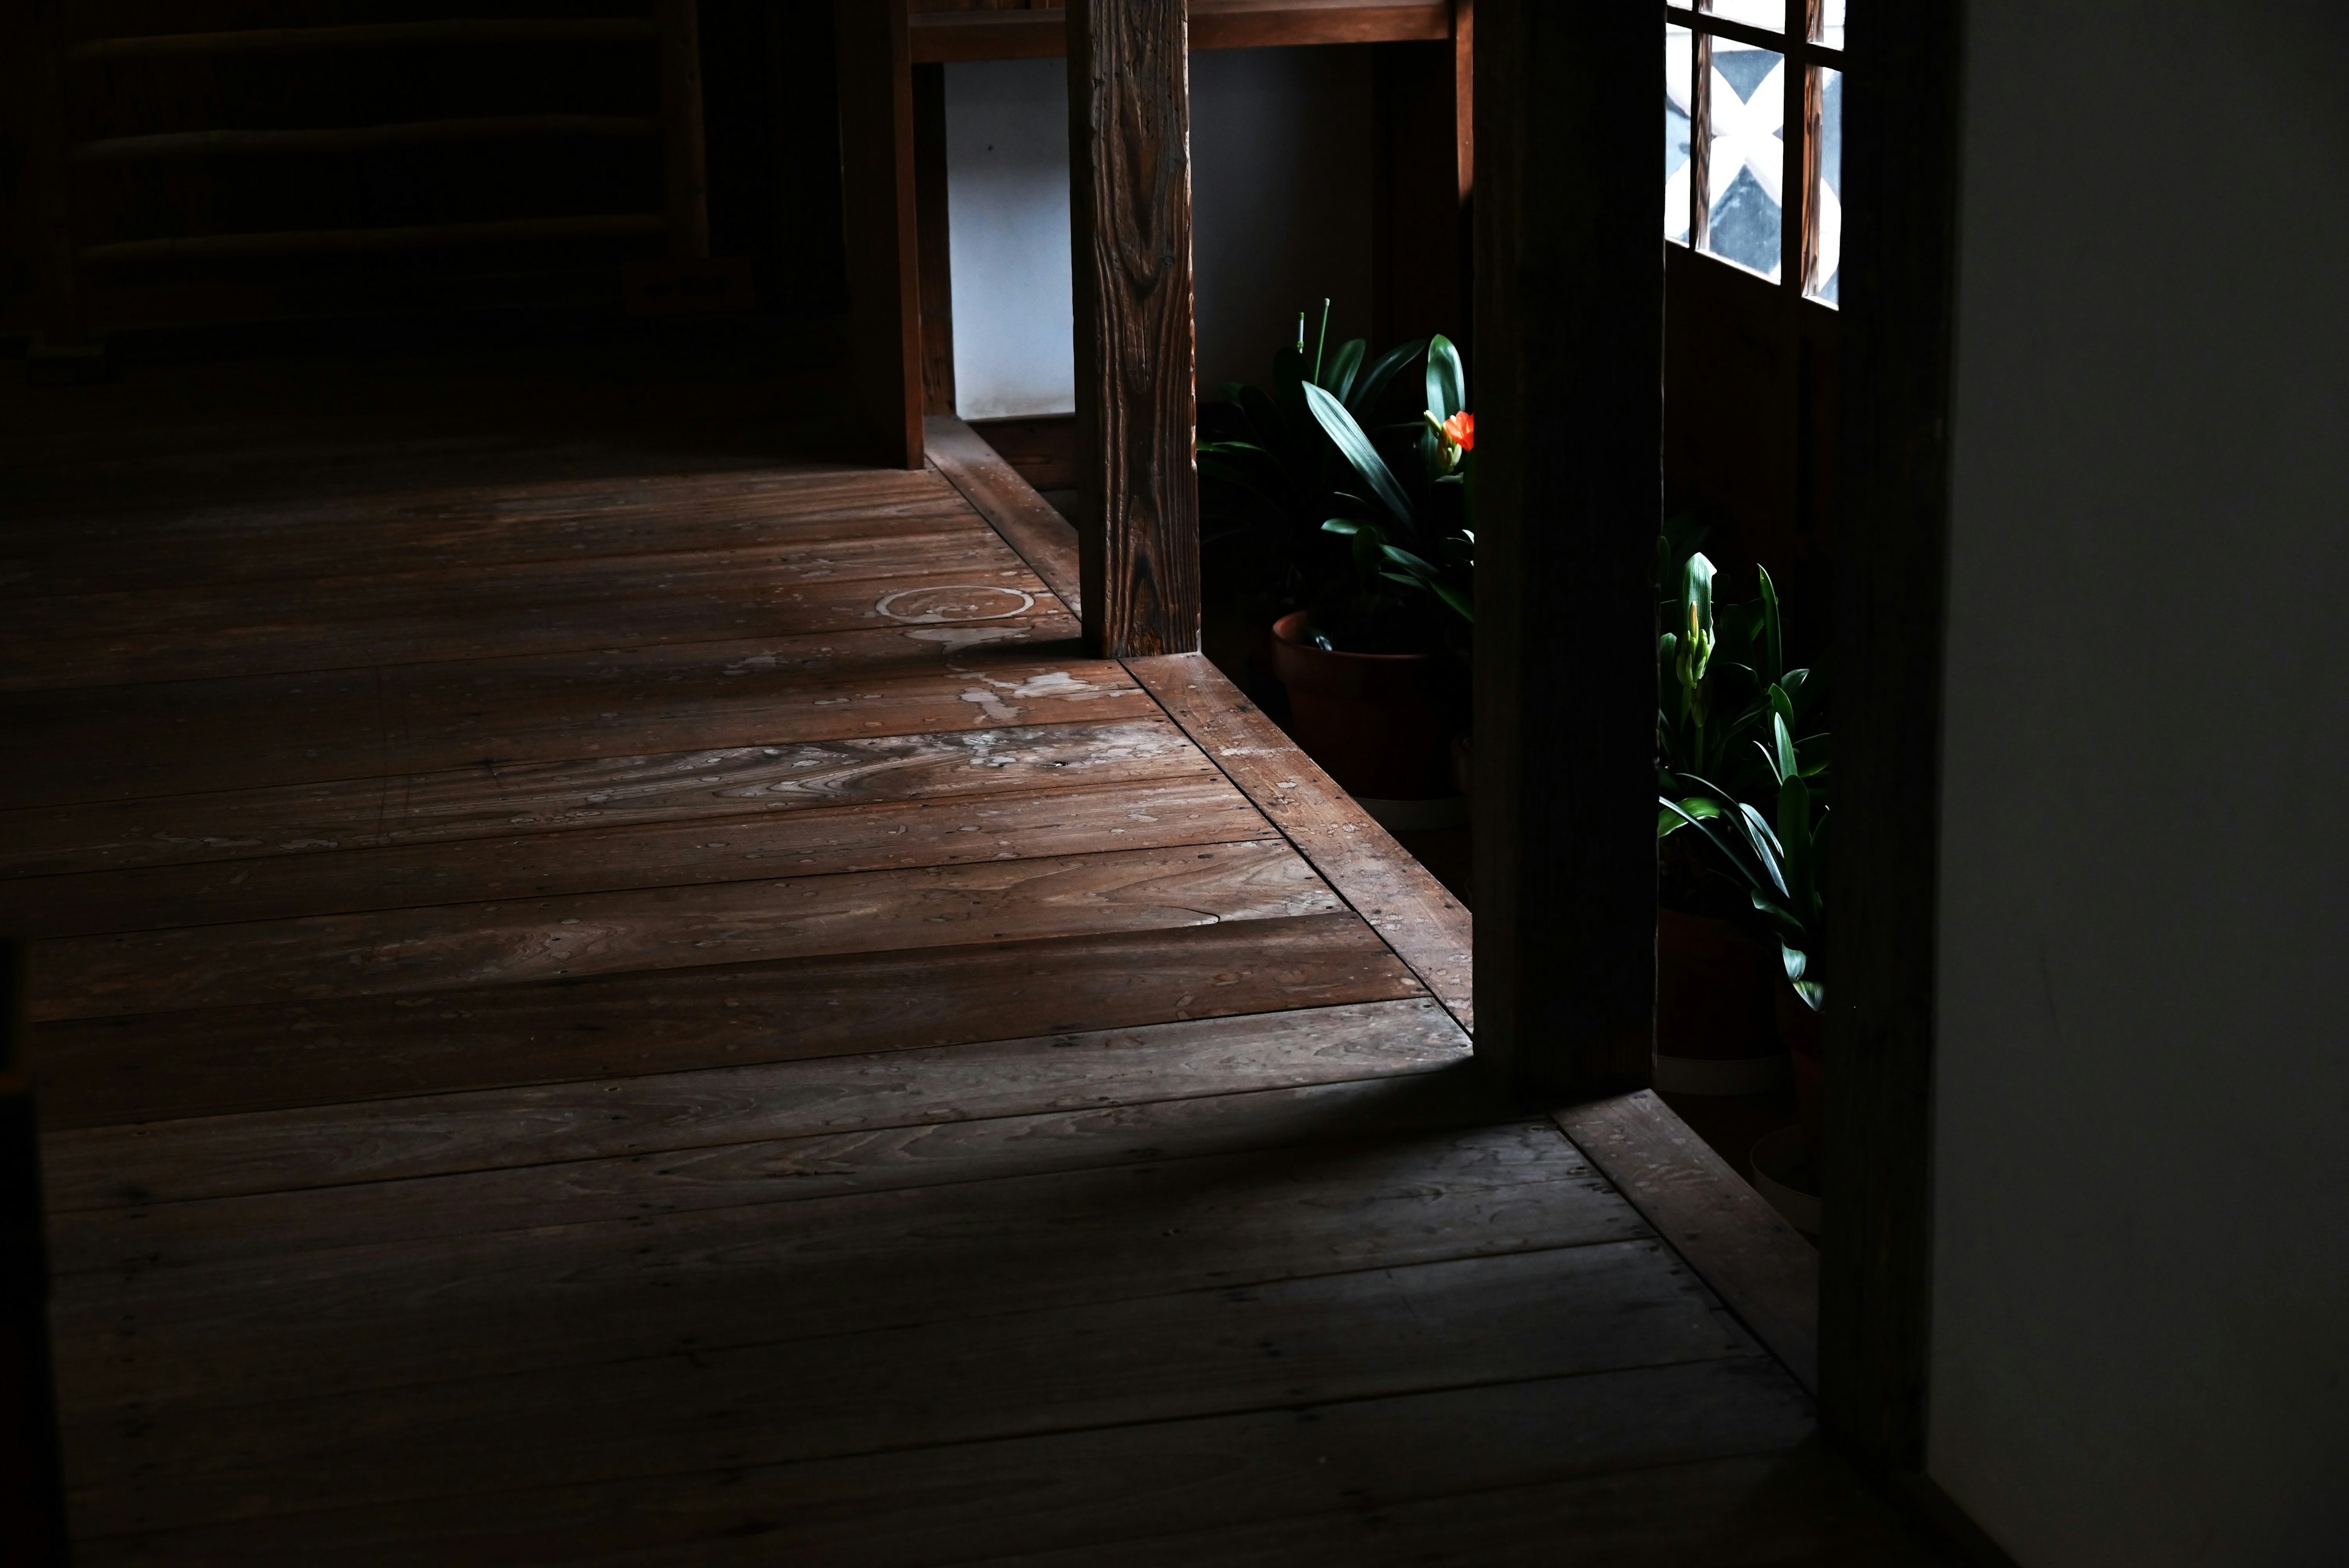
(32,1489)
(1569,320)
(685,175)
(933,241)
(1898,291)
(876,187)
(1129,216)
(1041,33)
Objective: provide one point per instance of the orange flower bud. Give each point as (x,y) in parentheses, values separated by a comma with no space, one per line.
(1460,429)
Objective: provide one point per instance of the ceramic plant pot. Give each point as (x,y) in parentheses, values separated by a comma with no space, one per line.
(1713,1030)
(1375,722)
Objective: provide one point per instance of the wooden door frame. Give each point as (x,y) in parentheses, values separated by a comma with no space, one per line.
(1901,168)
(1569,301)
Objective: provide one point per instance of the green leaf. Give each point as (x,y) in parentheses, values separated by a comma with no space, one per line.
(1341,525)
(1357,450)
(1410,562)
(1374,381)
(1338,379)
(1795,960)
(1447,380)
(1461,603)
(1773,642)
(1783,761)
(1320,342)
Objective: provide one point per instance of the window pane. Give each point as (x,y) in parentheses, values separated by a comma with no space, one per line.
(1826,199)
(1831,22)
(1678,53)
(1745,170)
(1770,14)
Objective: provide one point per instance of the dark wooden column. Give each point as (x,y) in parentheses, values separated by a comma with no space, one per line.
(32,1491)
(1130,217)
(1569,329)
(877,189)
(933,243)
(684,167)
(1898,288)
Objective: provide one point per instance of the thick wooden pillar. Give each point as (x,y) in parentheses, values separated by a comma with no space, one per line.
(1569,329)
(32,1490)
(1130,218)
(877,212)
(685,170)
(1898,295)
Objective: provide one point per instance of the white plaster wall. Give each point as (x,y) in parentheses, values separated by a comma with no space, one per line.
(2141,1285)
(1008,226)
(1281,216)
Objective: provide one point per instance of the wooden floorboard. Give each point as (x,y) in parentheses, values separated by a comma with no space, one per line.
(160,1066)
(1341,1337)
(867,837)
(392,952)
(674,1016)
(501,798)
(944,577)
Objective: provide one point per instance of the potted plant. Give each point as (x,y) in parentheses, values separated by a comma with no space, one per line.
(1741,792)
(1370,642)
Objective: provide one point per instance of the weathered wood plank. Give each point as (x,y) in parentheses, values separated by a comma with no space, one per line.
(483,802)
(1130,211)
(1027,521)
(1079,1491)
(1355,1336)
(397,951)
(577,1295)
(940,578)
(318,535)
(1730,1235)
(1102,1074)
(865,837)
(153,1067)
(1416,915)
(1799,1505)
(254,732)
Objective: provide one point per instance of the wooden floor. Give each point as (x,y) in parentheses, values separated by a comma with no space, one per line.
(678,1018)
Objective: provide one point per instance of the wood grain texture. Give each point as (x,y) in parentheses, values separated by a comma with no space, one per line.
(254,731)
(396,1314)
(493,800)
(1137,417)
(870,836)
(99,640)
(1569,329)
(1027,521)
(1079,1491)
(1804,1506)
(1103,1073)
(1743,1248)
(160,1066)
(1410,910)
(440,526)
(1898,294)
(1379,1335)
(395,952)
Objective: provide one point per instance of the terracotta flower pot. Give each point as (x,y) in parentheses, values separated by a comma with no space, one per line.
(1375,722)
(1714,1034)
(1806,1034)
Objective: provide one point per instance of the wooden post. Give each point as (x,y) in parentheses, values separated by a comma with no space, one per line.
(877,187)
(1569,326)
(32,1489)
(1898,289)
(933,243)
(684,167)
(1130,219)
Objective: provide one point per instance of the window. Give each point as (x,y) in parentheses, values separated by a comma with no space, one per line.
(1753,136)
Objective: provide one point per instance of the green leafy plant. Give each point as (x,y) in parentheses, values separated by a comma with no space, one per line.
(1302,499)
(1735,762)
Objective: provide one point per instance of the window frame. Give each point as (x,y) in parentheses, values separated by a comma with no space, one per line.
(1798,255)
